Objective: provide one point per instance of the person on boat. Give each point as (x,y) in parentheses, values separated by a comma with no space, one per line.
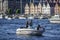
(27,24)
(30,23)
(39,27)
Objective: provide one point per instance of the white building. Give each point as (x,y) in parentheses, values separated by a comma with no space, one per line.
(35,11)
(48,9)
(44,9)
(39,8)
(26,9)
(5,5)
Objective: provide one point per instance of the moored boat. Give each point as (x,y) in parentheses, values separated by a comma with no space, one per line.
(55,19)
(31,17)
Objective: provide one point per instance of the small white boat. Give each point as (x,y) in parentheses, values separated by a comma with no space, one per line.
(1,17)
(13,17)
(22,18)
(55,19)
(41,16)
(8,18)
(28,31)
(30,17)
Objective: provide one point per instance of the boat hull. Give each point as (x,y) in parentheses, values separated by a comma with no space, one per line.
(22,18)
(30,17)
(29,32)
(55,20)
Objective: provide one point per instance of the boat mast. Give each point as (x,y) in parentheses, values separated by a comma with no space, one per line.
(29,8)
(21,6)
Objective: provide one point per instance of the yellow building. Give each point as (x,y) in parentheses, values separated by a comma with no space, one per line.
(56,9)
(26,9)
(59,9)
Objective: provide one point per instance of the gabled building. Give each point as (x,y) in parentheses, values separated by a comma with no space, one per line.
(35,10)
(26,9)
(48,12)
(20,4)
(56,9)
(44,9)
(39,8)
(31,8)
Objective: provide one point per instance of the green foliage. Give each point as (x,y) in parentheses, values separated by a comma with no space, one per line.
(40,14)
(9,11)
(17,11)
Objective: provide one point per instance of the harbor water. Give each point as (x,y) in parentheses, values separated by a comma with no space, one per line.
(8,29)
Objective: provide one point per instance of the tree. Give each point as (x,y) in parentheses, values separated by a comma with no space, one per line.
(17,11)
(40,14)
(9,11)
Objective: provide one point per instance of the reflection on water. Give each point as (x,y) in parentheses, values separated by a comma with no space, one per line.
(8,30)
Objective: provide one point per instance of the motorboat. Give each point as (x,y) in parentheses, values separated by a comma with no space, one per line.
(55,19)
(29,31)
